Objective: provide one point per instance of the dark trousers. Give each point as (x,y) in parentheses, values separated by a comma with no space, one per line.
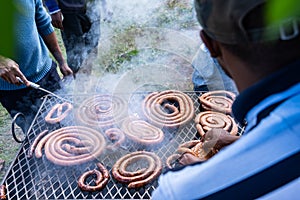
(28,100)
(80,39)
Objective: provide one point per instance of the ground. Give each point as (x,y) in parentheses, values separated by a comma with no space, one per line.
(148,45)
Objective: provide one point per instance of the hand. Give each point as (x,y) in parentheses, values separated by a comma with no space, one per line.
(65,69)
(57,20)
(188,158)
(216,139)
(213,141)
(9,71)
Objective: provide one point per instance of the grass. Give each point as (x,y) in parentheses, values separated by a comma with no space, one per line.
(8,146)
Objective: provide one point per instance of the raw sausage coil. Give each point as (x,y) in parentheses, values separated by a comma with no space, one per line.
(58,112)
(207,120)
(102,111)
(142,132)
(139,175)
(71,145)
(170,108)
(35,142)
(220,101)
(102,177)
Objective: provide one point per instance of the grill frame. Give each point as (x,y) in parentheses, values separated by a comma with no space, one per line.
(31,178)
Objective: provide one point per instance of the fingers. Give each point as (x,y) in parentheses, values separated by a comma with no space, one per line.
(23,80)
(9,71)
(58,24)
(66,70)
(187,159)
(214,134)
(216,139)
(57,20)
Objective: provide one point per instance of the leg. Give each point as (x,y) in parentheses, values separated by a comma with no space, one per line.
(75,50)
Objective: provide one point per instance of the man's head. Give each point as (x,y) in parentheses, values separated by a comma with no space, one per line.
(240,28)
(232,21)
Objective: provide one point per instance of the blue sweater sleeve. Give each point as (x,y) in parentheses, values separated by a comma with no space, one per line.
(52,5)
(43,20)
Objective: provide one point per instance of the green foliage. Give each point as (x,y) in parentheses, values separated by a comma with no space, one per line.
(7,11)
(279,9)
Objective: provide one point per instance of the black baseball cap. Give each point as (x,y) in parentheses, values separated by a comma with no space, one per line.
(223,21)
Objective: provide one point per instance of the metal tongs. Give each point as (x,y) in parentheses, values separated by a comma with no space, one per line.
(33,85)
(38,87)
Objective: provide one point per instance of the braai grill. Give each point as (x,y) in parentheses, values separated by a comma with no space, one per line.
(31,178)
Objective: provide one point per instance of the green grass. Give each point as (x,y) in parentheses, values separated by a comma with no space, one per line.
(8,146)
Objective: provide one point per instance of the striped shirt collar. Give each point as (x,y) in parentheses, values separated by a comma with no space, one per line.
(274,83)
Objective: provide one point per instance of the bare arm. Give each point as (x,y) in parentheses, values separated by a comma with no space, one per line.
(52,44)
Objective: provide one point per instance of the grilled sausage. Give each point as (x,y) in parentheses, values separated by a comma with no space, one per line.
(208,120)
(102,177)
(220,101)
(140,177)
(2,192)
(171,160)
(170,108)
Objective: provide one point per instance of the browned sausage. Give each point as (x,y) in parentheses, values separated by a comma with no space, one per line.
(208,120)
(102,177)
(141,177)
(170,108)
(2,192)
(171,159)
(186,147)
(193,147)
(220,101)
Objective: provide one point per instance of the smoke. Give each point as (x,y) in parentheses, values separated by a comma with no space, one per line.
(148,46)
(133,12)
(137,37)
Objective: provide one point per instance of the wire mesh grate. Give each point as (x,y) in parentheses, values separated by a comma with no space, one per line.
(31,178)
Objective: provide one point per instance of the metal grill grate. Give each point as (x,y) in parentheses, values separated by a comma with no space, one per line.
(31,178)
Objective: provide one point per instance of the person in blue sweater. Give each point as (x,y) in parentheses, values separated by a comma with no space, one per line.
(33,40)
(263,59)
